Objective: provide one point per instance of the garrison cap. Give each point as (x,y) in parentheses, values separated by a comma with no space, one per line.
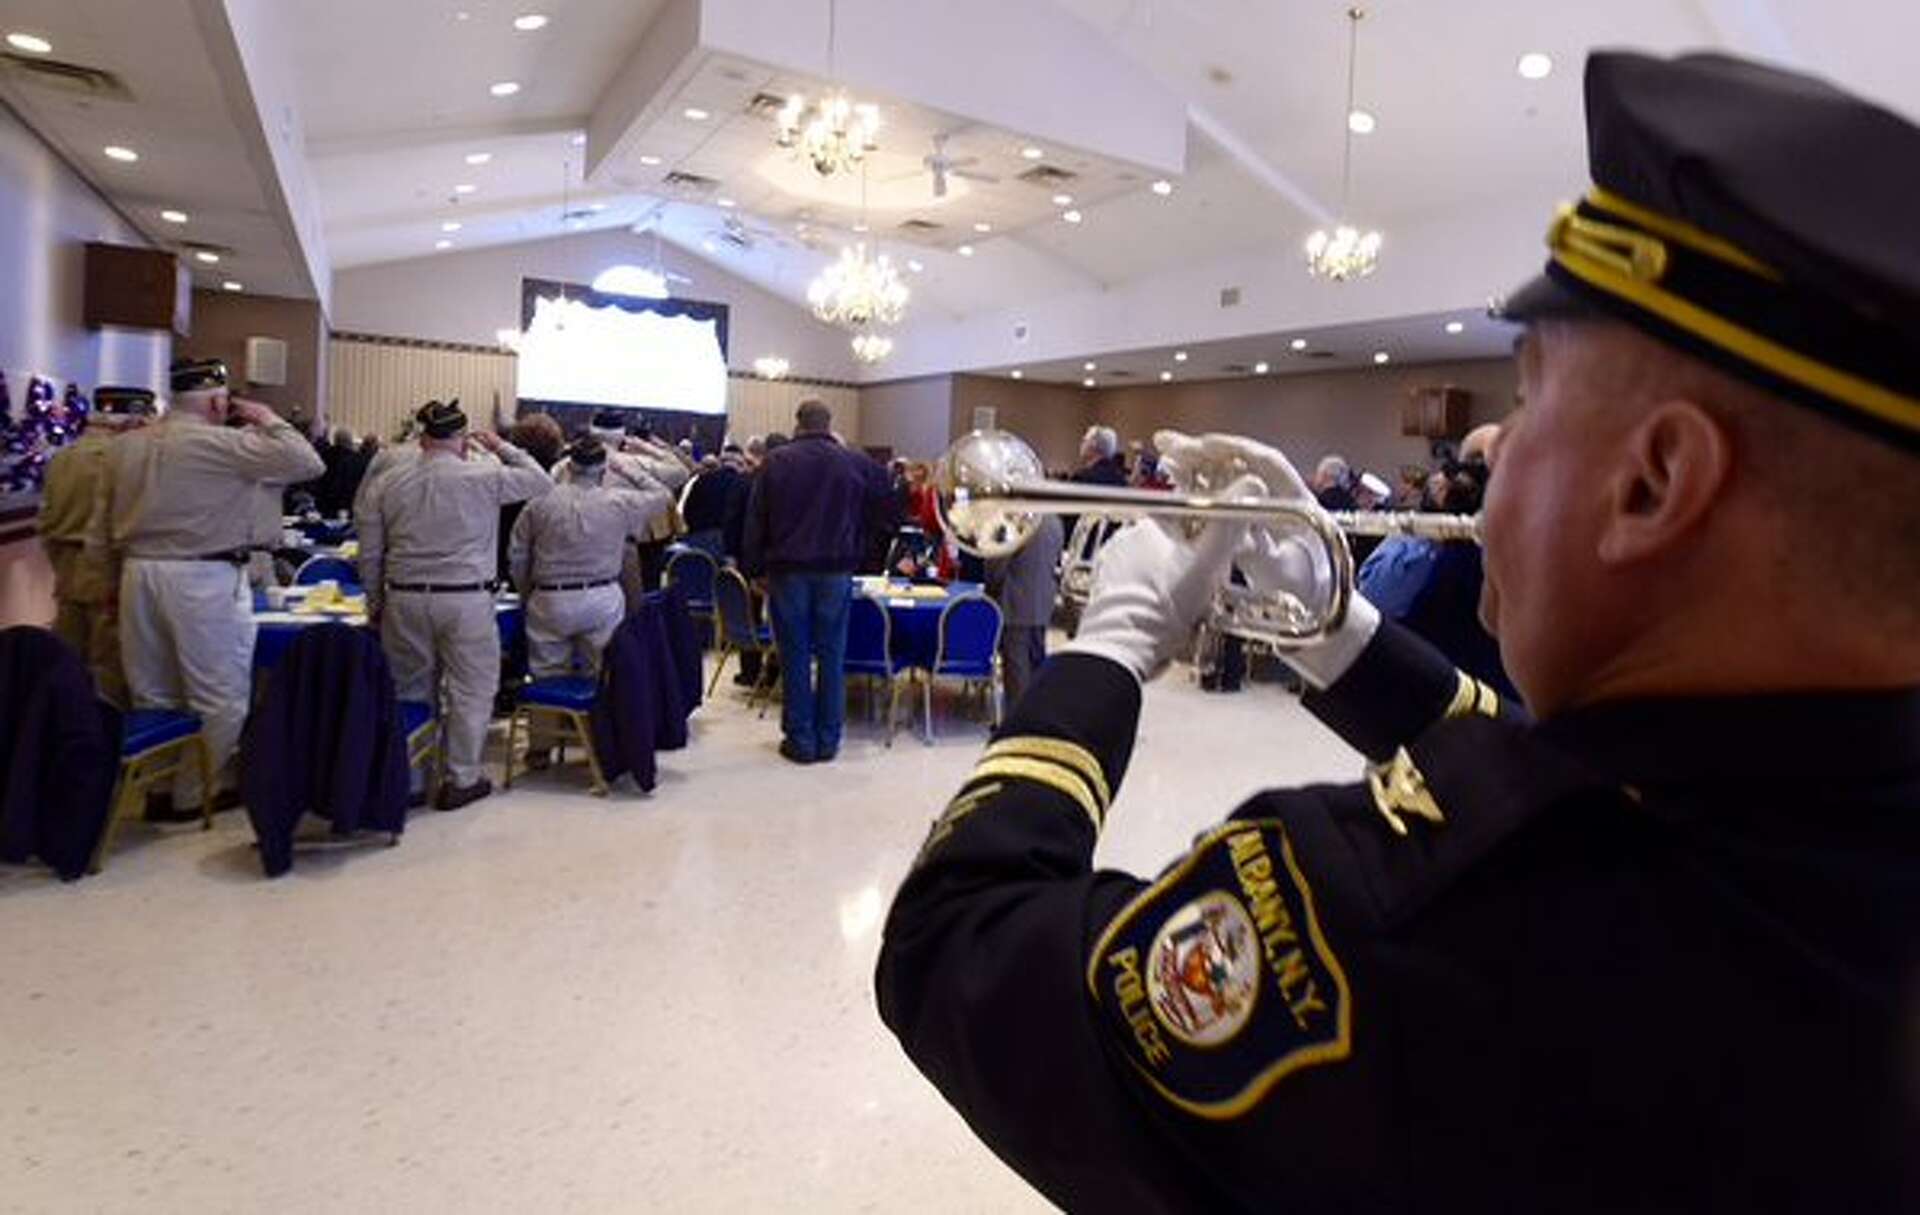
(118,401)
(587,451)
(1759,219)
(198,375)
(442,419)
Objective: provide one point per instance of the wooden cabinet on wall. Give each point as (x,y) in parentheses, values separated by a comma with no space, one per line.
(1436,413)
(136,288)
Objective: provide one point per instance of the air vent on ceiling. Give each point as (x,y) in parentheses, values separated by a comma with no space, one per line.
(1117,374)
(1236,368)
(689,183)
(921,226)
(66,77)
(1021,332)
(765,105)
(1321,354)
(1048,177)
(1229,297)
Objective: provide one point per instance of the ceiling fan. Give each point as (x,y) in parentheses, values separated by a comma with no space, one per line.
(943,167)
(650,225)
(742,235)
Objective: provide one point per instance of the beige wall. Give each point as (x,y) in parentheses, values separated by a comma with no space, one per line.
(224,320)
(913,417)
(759,407)
(1352,413)
(1050,417)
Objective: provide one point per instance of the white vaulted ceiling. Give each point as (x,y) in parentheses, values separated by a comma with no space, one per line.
(389,98)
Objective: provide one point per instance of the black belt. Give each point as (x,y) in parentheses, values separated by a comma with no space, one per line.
(574,586)
(233,556)
(439,588)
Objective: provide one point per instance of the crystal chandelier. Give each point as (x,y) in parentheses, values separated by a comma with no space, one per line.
(871,347)
(1346,252)
(858,290)
(771,367)
(835,133)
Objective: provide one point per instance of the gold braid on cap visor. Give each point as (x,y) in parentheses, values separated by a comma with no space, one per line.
(1630,260)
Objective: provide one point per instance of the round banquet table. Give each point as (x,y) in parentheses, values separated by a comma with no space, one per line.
(275,629)
(913,611)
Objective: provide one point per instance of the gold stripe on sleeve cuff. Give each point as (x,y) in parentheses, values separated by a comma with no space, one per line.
(1059,751)
(1054,776)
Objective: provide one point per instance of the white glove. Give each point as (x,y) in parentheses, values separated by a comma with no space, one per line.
(1152,586)
(1274,561)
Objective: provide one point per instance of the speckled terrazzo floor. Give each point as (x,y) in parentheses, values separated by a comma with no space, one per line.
(545,1002)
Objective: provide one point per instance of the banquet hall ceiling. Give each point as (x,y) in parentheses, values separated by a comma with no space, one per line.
(388,99)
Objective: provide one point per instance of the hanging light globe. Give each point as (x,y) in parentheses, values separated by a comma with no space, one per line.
(1343,254)
(871,347)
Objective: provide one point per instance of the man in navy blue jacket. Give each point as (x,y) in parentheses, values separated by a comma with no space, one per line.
(812,504)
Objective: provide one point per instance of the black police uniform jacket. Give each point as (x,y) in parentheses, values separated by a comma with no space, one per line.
(1648,956)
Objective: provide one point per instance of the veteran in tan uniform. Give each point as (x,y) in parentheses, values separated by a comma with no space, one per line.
(82,589)
(429,551)
(565,556)
(173,527)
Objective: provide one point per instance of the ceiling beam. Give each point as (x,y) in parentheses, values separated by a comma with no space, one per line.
(1258,167)
(1750,27)
(433,137)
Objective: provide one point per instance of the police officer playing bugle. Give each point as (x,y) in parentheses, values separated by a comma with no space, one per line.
(1657,948)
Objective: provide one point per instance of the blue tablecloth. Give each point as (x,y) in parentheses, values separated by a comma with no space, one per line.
(915,620)
(274,631)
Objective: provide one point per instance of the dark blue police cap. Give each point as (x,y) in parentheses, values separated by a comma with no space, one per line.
(1757,218)
(195,375)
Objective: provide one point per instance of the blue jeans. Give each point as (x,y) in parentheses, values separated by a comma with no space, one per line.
(810,623)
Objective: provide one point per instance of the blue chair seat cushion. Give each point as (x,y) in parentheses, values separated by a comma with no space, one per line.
(413,715)
(866,666)
(561,692)
(145,729)
(966,669)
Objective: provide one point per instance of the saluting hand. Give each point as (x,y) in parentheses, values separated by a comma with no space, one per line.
(489,442)
(253,413)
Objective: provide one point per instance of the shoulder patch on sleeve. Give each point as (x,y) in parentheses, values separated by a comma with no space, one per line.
(1217,980)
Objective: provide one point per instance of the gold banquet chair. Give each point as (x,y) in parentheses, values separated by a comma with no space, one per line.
(568,701)
(155,744)
(741,632)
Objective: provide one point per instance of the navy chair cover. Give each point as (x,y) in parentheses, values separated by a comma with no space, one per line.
(329,737)
(59,753)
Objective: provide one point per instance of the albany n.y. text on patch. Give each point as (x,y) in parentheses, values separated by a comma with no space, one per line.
(1218,980)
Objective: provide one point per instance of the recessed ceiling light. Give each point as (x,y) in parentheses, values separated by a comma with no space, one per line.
(1089,366)
(1536,65)
(1179,356)
(1166,376)
(983,228)
(231,285)
(208,256)
(462,15)
(596,208)
(966,250)
(465,187)
(1260,369)
(174,217)
(1163,187)
(1381,356)
(649,161)
(725,204)
(443,244)
(32,44)
(116,152)
(526,23)
(1360,122)
(709,246)
(578,141)
(1031,153)
(916,265)
(694,113)
(1072,217)
(1298,344)
(1063,200)
(1017,374)
(1087,383)
(479,158)
(1456,327)
(505,88)
(860,226)
(452,225)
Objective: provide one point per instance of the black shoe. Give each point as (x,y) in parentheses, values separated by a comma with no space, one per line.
(1209,683)
(453,798)
(794,754)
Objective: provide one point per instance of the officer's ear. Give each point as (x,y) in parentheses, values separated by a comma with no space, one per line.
(1671,468)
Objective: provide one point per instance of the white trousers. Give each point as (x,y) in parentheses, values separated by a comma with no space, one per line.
(451,641)
(568,626)
(186,636)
